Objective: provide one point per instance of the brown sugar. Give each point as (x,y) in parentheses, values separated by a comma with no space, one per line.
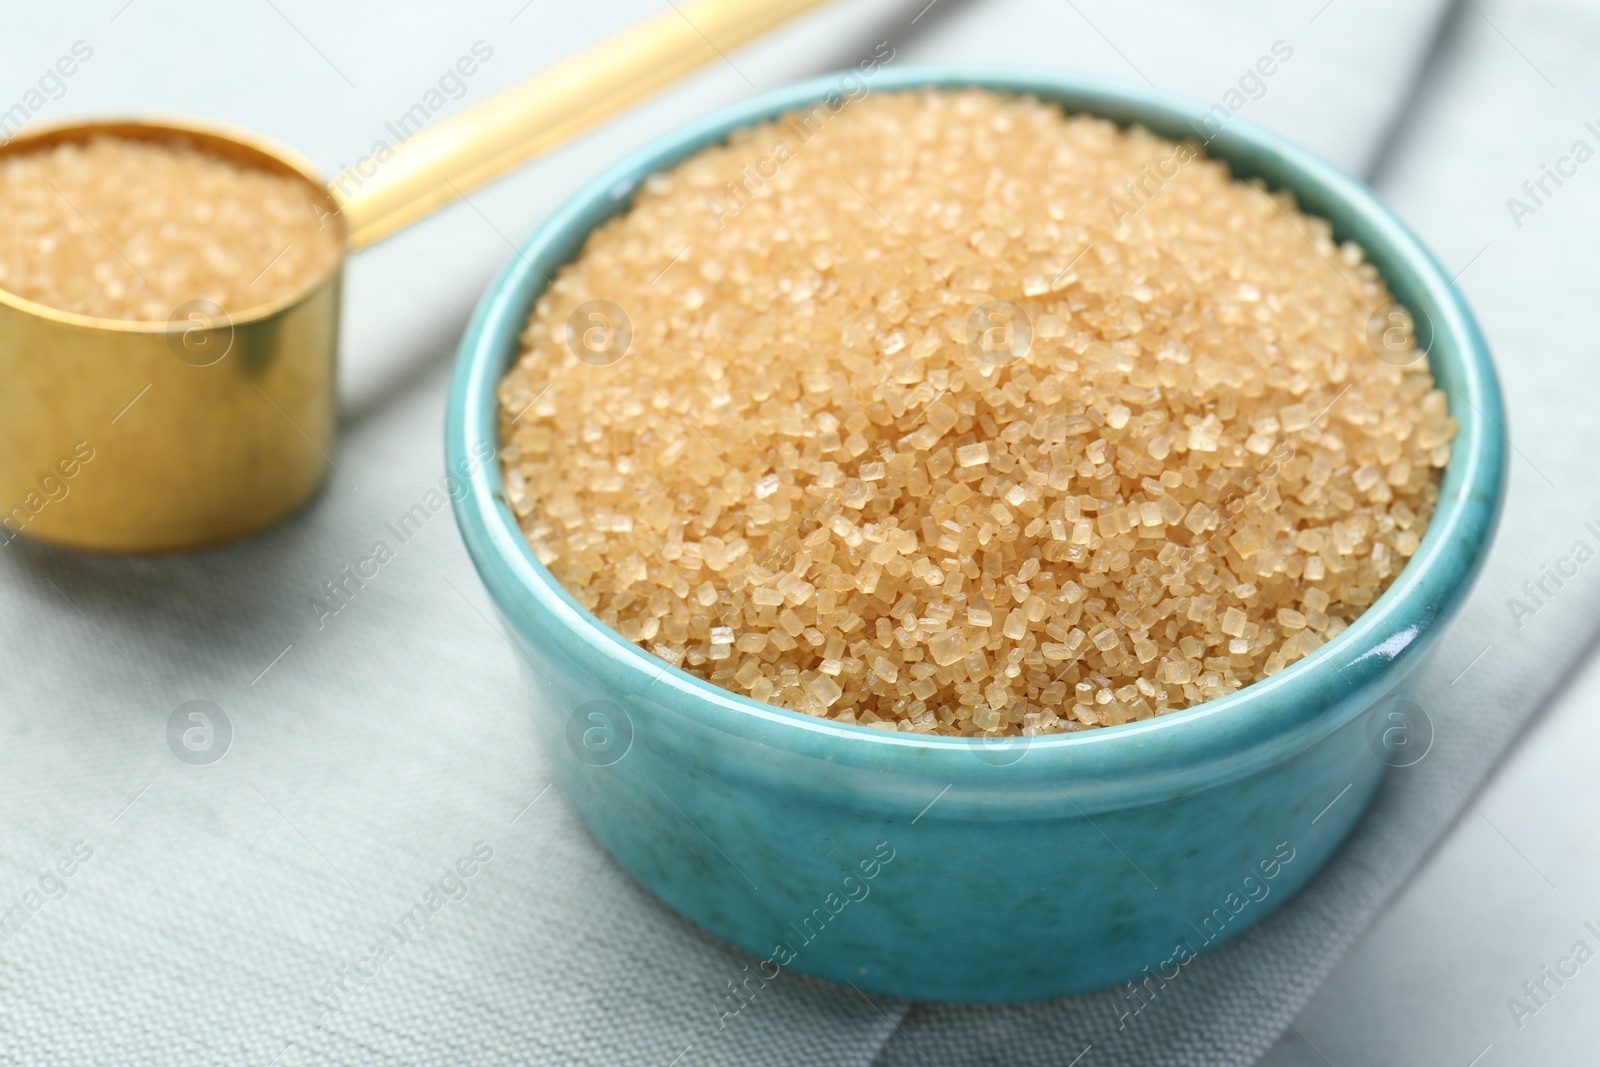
(130,229)
(933,417)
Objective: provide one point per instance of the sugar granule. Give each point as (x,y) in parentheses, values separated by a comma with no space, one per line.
(129,229)
(800,469)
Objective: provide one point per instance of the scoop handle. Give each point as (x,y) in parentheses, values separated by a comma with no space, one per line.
(480,144)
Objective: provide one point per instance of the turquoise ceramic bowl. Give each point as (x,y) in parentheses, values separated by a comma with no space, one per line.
(933,867)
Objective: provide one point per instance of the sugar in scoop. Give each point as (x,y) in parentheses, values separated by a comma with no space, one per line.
(131,229)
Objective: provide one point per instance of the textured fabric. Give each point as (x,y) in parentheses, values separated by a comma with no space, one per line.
(225,913)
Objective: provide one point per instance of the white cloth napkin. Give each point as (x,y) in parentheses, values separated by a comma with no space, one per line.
(228,911)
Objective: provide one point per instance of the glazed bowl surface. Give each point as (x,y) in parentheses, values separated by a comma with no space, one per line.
(948,869)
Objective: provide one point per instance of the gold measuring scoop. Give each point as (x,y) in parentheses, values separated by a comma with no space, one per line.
(129,436)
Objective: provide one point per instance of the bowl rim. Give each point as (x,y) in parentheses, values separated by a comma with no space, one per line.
(1264,721)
